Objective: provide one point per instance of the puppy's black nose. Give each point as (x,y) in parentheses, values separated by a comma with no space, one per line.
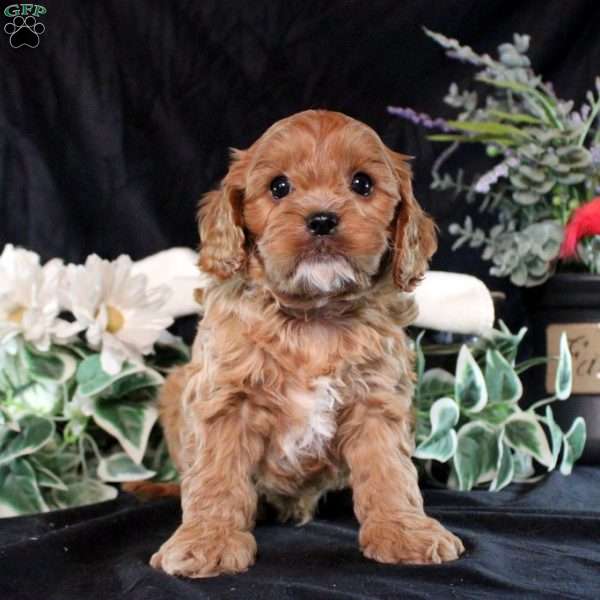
(322,223)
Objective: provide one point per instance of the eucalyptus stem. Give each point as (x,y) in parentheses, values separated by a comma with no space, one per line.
(443,157)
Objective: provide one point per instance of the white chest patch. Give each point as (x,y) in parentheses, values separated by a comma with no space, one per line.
(319,405)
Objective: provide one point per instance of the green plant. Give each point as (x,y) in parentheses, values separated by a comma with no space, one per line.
(83,349)
(546,159)
(471,422)
(68,428)
(78,392)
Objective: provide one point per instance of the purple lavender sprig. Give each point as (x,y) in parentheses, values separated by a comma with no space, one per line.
(422,119)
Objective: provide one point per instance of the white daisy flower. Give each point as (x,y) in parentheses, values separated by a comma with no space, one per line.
(121,318)
(29,299)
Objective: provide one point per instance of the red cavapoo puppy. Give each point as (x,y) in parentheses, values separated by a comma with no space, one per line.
(301,376)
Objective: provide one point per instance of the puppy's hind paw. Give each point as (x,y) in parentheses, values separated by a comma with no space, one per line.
(205,552)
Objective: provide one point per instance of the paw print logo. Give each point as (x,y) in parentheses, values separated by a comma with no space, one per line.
(24,31)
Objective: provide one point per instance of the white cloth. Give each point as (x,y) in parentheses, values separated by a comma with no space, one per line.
(454,302)
(447,301)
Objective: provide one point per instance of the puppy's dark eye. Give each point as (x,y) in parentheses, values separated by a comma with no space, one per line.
(280,187)
(361,184)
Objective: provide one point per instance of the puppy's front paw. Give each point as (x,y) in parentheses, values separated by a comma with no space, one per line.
(415,539)
(201,551)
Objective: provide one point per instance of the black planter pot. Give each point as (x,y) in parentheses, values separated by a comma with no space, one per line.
(570,302)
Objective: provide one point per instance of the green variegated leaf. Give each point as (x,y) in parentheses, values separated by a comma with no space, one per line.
(119,467)
(470,390)
(444,415)
(34,433)
(129,421)
(54,366)
(503,340)
(48,479)
(168,355)
(19,491)
(440,445)
(476,455)
(37,397)
(136,381)
(564,380)
(45,477)
(503,384)
(523,464)
(87,491)
(80,349)
(556,437)
(436,383)
(524,433)
(505,469)
(466,463)
(573,445)
(60,463)
(160,461)
(93,380)
(24,395)
(497,413)
(488,447)
(42,365)
(166,471)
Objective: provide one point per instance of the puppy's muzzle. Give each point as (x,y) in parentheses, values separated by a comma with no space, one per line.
(322,223)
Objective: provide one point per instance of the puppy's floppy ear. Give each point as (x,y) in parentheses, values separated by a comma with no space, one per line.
(222,243)
(414,238)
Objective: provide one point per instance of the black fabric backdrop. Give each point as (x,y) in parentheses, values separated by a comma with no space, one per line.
(122,117)
(109,132)
(524,542)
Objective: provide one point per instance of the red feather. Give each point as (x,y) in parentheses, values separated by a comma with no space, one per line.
(585,221)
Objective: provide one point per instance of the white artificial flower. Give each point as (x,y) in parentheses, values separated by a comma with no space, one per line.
(121,318)
(29,299)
